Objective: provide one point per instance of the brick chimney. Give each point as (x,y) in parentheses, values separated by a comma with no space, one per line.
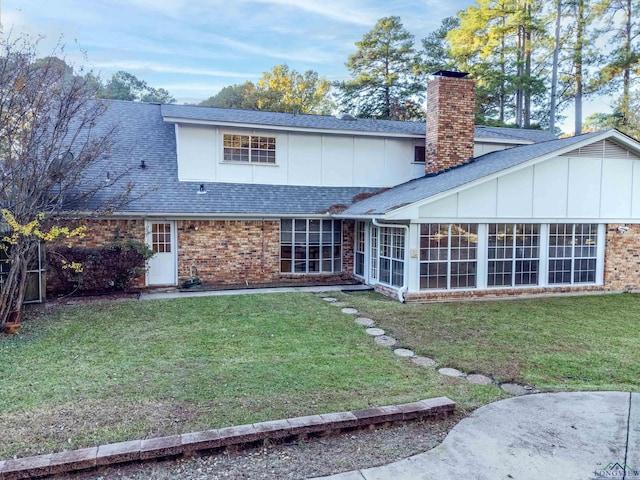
(451,103)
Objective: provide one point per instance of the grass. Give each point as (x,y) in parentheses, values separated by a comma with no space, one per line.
(554,344)
(84,375)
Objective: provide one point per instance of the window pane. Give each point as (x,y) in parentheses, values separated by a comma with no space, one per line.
(572,253)
(310,252)
(448,254)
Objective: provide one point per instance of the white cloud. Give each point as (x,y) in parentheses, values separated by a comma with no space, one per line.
(166,68)
(333,10)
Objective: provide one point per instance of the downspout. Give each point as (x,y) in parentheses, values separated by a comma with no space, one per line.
(403,289)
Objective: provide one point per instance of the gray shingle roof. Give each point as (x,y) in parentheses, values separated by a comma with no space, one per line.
(428,186)
(143,135)
(324,122)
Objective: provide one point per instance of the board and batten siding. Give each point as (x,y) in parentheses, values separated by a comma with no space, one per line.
(572,186)
(301,159)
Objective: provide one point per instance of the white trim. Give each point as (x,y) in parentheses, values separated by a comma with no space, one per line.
(483,261)
(409,212)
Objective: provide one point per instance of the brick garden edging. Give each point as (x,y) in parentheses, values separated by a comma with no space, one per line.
(243,435)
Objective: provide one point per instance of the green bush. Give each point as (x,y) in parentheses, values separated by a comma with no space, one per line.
(112,267)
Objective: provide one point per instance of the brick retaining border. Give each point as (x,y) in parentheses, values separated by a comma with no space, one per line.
(187,444)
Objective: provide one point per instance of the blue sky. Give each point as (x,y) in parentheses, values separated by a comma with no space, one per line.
(193,48)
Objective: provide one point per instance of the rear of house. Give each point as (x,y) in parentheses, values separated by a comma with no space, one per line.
(446,210)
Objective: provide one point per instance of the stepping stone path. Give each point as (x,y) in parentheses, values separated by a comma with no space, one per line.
(479,379)
(451,372)
(385,341)
(516,389)
(424,361)
(365,322)
(375,332)
(404,352)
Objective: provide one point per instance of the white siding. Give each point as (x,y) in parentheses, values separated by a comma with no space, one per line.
(479,201)
(550,188)
(197,147)
(515,194)
(635,191)
(617,183)
(337,161)
(584,187)
(301,159)
(482,148)
(558,188)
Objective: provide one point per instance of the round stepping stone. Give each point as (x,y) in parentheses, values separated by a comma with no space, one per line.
(385,341)
(376,332)
(329,299)
(350,311)
(404,352)
(478,379)
(338,304)
(450,372)
(424,361)
(516,389)
(365,322)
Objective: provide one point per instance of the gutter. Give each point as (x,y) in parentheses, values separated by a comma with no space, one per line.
(404,288)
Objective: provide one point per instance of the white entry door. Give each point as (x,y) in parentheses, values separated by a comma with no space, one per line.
(161,238)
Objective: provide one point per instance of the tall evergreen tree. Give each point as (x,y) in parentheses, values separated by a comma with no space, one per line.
(621,20)
(436,54)
(496,42)
(384,74)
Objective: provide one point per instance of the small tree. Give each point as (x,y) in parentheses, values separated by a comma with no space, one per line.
(50,155)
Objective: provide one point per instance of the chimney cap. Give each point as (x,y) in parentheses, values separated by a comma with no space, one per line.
(448,73)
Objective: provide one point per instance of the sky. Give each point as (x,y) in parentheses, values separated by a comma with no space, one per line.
(193,48)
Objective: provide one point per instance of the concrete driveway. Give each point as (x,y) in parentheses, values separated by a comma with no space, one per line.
(577,435)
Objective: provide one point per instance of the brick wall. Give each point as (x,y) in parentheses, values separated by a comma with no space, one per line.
(245,253)
(226,253)
(622,258)
(497,293)
(229,252)
(450,123)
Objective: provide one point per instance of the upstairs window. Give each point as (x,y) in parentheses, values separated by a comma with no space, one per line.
(419,153)
(249,149)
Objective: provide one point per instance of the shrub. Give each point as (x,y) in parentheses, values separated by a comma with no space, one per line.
(112,267)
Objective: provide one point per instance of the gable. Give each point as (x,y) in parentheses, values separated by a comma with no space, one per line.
(603,149)
(597,181)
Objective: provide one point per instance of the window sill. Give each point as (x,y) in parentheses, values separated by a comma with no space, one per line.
(259,164)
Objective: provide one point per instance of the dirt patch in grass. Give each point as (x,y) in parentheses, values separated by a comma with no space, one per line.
(83,424)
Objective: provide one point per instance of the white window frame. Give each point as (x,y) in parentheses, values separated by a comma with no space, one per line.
(572,258)
(254,154)
(482,260)
(360,248)
(394,253)
(515,258)
(448,262)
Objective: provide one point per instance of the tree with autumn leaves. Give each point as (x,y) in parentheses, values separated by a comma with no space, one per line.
(49,148)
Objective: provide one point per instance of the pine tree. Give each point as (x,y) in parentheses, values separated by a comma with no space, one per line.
(384,74)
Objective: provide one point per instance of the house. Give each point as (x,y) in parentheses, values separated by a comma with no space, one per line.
(446,210)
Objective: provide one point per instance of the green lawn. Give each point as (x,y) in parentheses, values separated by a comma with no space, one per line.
(559,343)
(84,375)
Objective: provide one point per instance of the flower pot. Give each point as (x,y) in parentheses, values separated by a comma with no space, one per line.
(11,327)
